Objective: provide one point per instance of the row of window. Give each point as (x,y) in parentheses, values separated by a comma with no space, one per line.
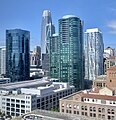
(109,111)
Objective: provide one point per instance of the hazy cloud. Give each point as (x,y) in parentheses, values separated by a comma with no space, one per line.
(112,26)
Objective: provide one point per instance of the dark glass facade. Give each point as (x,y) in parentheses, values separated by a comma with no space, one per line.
(17,54)
(54,56)
(70,47)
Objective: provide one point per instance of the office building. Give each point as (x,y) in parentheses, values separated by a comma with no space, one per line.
(70,49)
(17,54)
(94,49)
(35,56)
(47,30)
(46,20)
(54,56)
(23,97)
(2,60)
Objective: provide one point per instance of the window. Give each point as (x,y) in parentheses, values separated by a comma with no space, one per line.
(69,111)
(62,104)
(70,106)
(94,115)
(85,113)
(74,112)
(82,107)
(90,108)
(66,111)
(90,114)
(85,107)
(99,110)
(77,112)
(22,111)
(74,106)
(17,101)
(103,110)
(82,113)
(94,109)
(112,111)
(62,110)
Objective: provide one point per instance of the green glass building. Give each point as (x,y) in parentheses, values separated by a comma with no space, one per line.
(54,60)
(70,49)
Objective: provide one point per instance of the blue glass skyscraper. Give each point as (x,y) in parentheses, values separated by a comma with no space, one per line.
(17,54)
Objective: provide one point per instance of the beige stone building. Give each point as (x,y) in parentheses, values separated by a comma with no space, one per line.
(98,103)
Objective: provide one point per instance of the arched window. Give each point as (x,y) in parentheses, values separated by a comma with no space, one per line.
(90,108)
(99,109)
(103,110)
(94,109)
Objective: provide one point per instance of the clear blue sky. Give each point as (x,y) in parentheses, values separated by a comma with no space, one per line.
(27,14)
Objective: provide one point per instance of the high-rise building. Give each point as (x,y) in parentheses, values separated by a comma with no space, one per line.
(94,49)
(46,32)
(17,54)
(35,56)
(54,57)
(3,60)
(70,47)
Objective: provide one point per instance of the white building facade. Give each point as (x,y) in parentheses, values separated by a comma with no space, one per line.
(3,60)
(24,100)
(94,49)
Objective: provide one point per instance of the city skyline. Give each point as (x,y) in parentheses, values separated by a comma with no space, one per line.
(21,15)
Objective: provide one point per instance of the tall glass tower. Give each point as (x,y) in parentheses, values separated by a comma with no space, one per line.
(47,29)
(54,56)
(70,49)
(17,54)
(94,49)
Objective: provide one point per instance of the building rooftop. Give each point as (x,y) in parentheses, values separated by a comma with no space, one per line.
(93,30)
(101,78)
(24,84)
(49,115)
(68,16)
(89,94)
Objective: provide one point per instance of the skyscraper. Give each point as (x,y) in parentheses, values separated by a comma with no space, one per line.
(17,54)
(70,47)
(94,49)
(47,30)
(3,60)
(54,56)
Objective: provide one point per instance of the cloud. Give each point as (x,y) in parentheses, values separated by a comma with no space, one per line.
(112,26)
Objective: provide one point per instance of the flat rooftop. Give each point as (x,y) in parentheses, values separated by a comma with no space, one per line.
(49,115)
(24,84)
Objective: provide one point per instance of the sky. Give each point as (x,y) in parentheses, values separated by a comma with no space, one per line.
(27,15)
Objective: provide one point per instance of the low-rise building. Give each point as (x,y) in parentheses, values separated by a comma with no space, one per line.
(20,98)
(5,80)
(97,103)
